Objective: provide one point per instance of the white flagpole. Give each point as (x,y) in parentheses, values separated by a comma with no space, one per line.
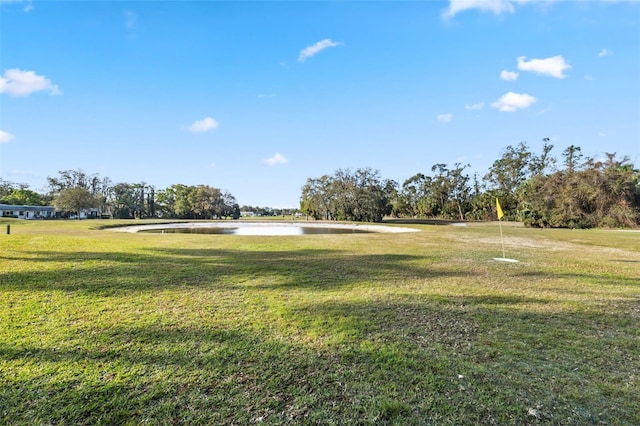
(502,239)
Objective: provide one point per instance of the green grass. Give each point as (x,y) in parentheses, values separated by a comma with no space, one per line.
(98,327)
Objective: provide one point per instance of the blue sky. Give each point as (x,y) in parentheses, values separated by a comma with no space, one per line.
(256,97)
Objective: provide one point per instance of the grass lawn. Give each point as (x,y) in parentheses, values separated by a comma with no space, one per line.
(99,327)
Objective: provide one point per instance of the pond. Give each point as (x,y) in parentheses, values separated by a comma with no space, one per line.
(258,230)
(261,228)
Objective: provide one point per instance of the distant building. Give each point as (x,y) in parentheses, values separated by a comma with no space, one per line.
(91,213)
(27,212)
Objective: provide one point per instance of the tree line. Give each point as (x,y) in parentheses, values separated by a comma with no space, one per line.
(538,189)
(73,191)
(534,188)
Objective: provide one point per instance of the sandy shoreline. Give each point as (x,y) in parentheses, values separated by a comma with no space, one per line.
(263,224)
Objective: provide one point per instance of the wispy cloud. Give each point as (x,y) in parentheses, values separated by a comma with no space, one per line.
(553,67)
(17,82)
(316,48)
(604,52)
(28,4)
(205,125)
(276,160)
(495,6)
(544,110)
(445,118)
(474,107)
(6,137)
(130,23)
(511,102)
(266,95)
(130,19)
(509,75)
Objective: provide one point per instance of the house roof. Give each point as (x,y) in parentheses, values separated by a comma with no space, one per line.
(27,208)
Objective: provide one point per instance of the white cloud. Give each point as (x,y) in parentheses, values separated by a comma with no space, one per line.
(474,107)
(445,118)
(495,6)
(509,75)
(204,125)
(6,137)
(604,52)
(312,50)
(588,77)
(17,82)
(602,134)
(554,66)
(513,101)
(277,159)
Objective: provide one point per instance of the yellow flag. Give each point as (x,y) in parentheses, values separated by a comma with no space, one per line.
(500,213)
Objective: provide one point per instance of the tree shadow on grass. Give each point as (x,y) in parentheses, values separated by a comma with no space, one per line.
(165,375)
(581,367)
(158,269)
(459,360)
(599,279)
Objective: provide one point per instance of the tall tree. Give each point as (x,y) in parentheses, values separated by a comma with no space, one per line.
(459,190)
(207,202)
(572,158)
(165,202)
(316,196)
(99,188)
(511,169)
(515,166)
(127,200)
(74,200)
(414,195)
(359,196)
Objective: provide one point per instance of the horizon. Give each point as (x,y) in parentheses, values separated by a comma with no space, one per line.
(255,98)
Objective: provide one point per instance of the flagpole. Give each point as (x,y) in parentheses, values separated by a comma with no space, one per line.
(500,215)
(502,239)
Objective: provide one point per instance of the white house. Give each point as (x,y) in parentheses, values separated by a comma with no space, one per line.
(27,212)
(91,213)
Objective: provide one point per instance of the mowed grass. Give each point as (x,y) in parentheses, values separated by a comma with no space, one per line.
(98,327)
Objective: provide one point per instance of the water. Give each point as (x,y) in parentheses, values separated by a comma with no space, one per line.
(257,230)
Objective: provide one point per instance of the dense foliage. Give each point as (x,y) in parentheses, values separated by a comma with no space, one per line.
(75,190)
(598,193)
(23,197)
(537,189)
(581,193)
(196,202)
(359,196)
